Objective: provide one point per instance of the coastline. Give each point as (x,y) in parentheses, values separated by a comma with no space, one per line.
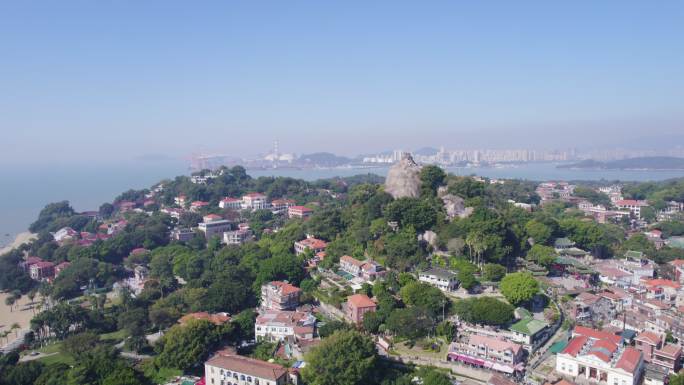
(22,237)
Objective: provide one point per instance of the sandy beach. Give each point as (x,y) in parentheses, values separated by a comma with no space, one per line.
(18,240)
(21,313)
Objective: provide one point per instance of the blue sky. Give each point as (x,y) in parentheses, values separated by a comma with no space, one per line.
(87,80)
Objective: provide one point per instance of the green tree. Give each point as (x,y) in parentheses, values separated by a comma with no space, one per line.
(519,288)
(493,272)
(542,255)
(447,330)
(484,310)
(345,358)
(431,177)
(418,213)
(538,231)
(185,347)
(411,322)
(424,295)
(467,279)
(372,322)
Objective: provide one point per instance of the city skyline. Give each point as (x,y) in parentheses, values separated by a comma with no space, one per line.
(147,78)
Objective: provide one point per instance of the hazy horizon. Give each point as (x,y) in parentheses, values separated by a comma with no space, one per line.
(92,81)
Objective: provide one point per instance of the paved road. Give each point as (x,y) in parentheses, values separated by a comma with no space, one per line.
(27,357)
(460,371)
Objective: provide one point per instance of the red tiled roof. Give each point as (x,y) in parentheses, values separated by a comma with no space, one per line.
(360,300)
(629,360)
(630,202)
(670,350)
(648,337)
(603,349)
(352,260)
(677,262)
(661,282)
(303,209)
(285,287)
(255,195)
(229,200)
(596,334)
(313,243)
(575,345)
(32,260)
(43,264)
(250,366)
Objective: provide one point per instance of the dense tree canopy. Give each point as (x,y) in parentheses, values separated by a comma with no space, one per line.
(519,288)
(345,358)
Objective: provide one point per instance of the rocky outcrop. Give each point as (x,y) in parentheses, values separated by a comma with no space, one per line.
(454,204)
(403,178)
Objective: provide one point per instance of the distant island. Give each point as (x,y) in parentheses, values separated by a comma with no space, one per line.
(643,163)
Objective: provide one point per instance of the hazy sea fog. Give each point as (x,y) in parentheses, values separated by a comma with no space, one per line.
(25,190)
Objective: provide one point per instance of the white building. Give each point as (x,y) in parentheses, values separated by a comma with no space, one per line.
(214,228)
(237,237)
(230,203)
(231,369)
(277,325)
(442,279)
(600,360)
(634,206)
(255,201)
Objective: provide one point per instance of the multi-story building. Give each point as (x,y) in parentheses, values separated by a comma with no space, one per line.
(491,352)
(634,206)
(230,203)
(181,200)
(678,265)
(230,369)
(530,332)
(351,265)
(648,342)
(198,205)
(596,356)
(299,212)
(668,357)
(182,234)
(280,205)
(237,237)
(442,279)
(278,295)
(367,270)
(310,243)
(357,305)
(255,201)
(214,228)
(42,270)
(276,325)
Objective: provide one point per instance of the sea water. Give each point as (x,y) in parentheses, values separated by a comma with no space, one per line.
(25,190)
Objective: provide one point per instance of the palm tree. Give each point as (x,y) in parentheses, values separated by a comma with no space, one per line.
(15,326)
(31,296)
(5,335)
(9,301)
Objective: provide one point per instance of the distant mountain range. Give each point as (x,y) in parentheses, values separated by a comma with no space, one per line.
(324,159)
(644,163)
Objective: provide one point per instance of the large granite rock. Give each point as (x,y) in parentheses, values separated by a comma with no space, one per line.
(403,178)
(454,204)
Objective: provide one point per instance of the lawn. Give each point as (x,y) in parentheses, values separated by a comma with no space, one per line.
(114,337)
(403,350)
(55,355)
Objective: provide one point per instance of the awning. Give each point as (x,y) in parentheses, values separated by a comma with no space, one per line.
(502,368)
(467,359)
